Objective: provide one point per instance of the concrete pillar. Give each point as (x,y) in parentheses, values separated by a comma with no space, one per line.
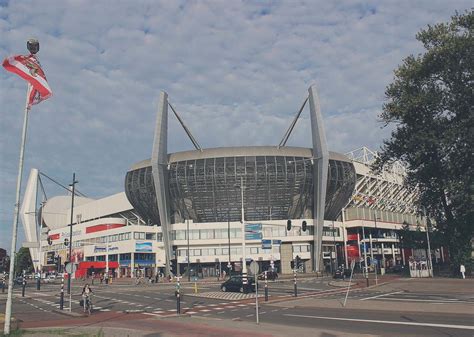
(118,274)
(132,265)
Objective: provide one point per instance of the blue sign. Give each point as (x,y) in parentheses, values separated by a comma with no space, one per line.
(253,236)
(277,242)
(143,247)
(266,244)
(253,227)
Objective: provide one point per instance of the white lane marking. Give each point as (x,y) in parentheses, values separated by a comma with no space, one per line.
(204,310)
(435,325)
(220,312)
(262,312)
(372,297)
(421,300)
(191,312)
(249,315)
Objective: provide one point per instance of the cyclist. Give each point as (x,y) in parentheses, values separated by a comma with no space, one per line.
(86,295)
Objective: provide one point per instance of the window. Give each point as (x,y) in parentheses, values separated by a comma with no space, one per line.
(126,256)
(89,258)
(205,252)
(225,251)
(296,249)
(220,233)
(139,235)
(254,250)
(235,233)
(150,236)
(180,235)
(194,234)
(207,234)
(159,237)
(196,252)
(100,258)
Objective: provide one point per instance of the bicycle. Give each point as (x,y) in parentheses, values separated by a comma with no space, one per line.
(87,304)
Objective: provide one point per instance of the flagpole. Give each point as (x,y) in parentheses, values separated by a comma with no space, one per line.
(8,309)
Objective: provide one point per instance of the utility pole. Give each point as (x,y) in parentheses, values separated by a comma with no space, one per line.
(189,262)
(73,190)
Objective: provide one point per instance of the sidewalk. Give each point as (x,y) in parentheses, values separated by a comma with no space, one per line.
(187,326)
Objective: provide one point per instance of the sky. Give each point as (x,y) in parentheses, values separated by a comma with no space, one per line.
(236,71)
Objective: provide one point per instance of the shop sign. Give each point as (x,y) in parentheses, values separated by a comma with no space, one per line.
(143,247)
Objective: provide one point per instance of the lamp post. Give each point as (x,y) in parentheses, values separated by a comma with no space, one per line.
(334,247)
(365,257)
(187,253)
(229,265)
(244,263)
(430,261)
(73,185)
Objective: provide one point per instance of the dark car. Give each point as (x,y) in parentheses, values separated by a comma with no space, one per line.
(342,273)
(271,275)
(235,284)
(396,269)
(19,280)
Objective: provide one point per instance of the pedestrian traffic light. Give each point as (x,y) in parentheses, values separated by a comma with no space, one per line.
(304,226)
(288,225)
(50,242)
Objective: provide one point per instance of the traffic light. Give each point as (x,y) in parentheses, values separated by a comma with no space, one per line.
(50,242)
(304,226)
(288,225)
(298,261)
(292,264)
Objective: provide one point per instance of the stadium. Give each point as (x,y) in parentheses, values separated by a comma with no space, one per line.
(207,211)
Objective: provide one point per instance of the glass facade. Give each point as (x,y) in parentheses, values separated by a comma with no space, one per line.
(208,189)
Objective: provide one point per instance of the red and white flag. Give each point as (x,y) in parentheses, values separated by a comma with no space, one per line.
(29,68)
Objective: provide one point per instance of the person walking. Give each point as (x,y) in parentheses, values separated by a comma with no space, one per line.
(462,269)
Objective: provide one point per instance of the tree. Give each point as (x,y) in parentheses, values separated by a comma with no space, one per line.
(23,261)
(431,102)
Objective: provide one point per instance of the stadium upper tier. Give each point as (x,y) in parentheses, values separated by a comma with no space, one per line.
(205,185)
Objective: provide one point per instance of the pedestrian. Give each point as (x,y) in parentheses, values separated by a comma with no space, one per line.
(156,277)
(101,277)
(462,269)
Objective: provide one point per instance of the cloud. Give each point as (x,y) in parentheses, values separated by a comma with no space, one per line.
(236,71)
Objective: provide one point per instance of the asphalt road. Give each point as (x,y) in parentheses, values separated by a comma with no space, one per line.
(158,301)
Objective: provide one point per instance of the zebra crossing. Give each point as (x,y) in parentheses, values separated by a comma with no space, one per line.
(225,295)
(203,309)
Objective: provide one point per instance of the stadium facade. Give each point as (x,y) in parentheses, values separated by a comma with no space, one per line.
(190,209)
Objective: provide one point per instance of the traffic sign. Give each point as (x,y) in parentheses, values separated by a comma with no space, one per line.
(70,267)
(277,242)
(252,227)
(254,267)
(66,242)
(266,244)
(253,236)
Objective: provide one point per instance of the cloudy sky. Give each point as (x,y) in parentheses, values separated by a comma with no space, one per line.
(236,71)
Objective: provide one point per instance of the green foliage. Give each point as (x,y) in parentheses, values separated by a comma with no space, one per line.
(23,261)
(431,102)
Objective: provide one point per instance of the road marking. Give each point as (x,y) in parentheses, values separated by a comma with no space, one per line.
(204,310)
(372,297)
(421,300)
(450,326)
(249,315)
(191,312)
(220,312)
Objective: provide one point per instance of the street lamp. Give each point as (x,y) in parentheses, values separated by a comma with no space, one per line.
(244,263)
(430,261)
(73,186)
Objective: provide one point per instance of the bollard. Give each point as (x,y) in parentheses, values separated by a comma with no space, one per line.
(178,296)
(296,289)
(38,281)
(3,286)
(195,288)
(266,288)
(23,288)
(61,296)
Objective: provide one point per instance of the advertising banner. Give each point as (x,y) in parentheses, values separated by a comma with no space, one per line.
(143,247)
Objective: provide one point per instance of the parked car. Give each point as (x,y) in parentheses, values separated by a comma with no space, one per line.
(342,273)
(396,269)
(235,284)
(271,275)
(19,280)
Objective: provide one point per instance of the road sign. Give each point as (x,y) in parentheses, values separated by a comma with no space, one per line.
(252,227)
(277,242)
(66,242)
(30,245)
(70,267)
(253,236)
(254,267)
(266,244)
